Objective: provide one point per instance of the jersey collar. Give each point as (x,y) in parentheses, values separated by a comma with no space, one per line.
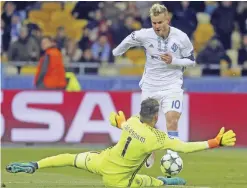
(169,32)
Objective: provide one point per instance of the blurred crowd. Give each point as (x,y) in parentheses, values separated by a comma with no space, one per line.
(218,30)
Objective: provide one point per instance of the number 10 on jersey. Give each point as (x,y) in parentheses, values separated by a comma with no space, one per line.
(176,104)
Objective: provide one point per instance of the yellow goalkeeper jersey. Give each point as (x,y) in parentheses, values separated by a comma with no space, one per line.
(138,140)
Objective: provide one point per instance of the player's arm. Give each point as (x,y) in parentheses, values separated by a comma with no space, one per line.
(222,139)
(132,40)
(117,119)
(187,52)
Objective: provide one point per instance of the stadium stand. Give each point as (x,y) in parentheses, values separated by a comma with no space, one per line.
(85,22)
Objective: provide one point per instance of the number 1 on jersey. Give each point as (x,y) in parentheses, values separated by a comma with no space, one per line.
(126,146)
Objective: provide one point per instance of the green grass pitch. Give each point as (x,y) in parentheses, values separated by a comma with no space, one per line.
(224,168)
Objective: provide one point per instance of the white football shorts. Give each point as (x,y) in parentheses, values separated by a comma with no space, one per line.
(170,100)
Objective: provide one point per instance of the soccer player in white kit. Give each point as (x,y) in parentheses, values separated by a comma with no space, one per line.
(168,51)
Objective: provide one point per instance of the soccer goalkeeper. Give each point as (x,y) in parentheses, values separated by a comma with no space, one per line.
(119,165)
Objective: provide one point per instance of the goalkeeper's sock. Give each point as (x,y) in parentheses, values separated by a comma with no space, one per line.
(57,161)
(172,134)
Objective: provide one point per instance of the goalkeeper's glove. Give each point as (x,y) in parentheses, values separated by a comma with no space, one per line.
(116,119)
(223,139)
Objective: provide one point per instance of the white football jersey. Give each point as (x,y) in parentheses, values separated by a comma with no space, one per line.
(158,75)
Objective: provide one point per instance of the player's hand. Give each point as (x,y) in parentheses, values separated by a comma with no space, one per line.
(116,119)
(223,139)
(167,58)
(228,139)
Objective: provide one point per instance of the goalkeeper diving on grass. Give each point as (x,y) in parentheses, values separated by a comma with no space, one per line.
(119,165)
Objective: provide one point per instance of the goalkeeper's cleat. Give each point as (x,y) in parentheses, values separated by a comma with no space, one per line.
(22,167)
(172,181)
(150,161)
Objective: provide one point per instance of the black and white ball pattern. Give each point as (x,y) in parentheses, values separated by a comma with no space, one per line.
(171,164)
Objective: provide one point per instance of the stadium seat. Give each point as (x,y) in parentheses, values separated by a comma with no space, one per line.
(50,28)
(131,71)
(236,72)
(203,18)
(10,70)
(108,71)
(74,34)
(51,6)
(27,70)
(233,54)
(39,15)
(49,33)
(61,16)
(126,67)
(75,29)
(2,6)
(236,40)
(224,68)
(136,25)
(204,32)
(4,58)
(69,6)
(135,54)
(193,71)
(79,23)
(140,61)
(122,60)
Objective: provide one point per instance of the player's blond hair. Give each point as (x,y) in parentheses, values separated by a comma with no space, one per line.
(157,9)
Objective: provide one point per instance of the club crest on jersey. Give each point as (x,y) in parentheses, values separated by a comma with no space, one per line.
(174,47)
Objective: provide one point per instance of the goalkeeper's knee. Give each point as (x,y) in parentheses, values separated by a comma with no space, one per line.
(80,160)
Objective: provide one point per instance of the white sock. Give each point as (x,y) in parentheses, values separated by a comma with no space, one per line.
(172,134)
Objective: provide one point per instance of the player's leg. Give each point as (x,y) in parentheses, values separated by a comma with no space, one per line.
(90,161)
(148,181)
(172,105)
(62,160)
(53,161)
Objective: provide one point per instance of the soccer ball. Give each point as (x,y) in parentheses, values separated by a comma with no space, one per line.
(171,164)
